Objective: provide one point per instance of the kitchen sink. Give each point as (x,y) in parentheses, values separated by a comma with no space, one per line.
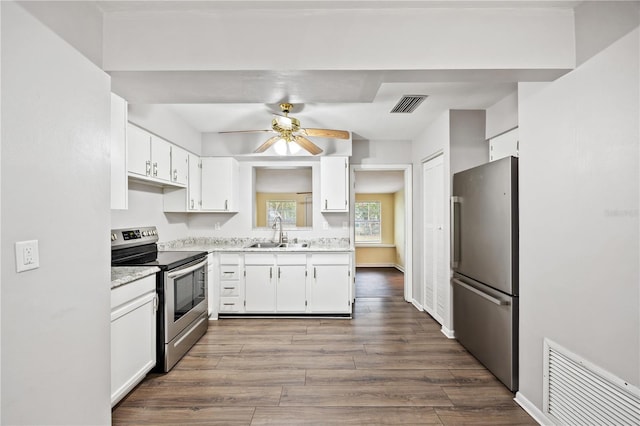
(270,244)
(267,244)
(293,245)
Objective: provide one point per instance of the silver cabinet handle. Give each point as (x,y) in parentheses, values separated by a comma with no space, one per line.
(192,203)
(270,272)
(455,231)
(278,272)
(314,272)
(148,167)
(481,293)
(326,204)
(155,169)
(226,204)
(175,174)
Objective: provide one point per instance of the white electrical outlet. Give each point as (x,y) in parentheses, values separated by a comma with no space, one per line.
(27,256)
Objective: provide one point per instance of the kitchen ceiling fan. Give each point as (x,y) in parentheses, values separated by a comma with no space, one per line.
(290,137)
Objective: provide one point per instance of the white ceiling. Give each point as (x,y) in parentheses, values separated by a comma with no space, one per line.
(225,99)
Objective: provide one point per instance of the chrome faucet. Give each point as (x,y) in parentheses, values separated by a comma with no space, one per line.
(277,220)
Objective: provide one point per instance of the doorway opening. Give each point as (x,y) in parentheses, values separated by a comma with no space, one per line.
(381,227)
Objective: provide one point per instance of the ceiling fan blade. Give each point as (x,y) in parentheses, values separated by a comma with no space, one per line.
(308,145)
(248,131)
(326,133)
(267,144)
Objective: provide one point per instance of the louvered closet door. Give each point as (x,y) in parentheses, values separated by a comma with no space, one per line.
(434,272)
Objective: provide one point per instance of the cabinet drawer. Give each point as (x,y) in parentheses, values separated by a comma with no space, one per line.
(229,304)
(330,259)
(291,259)
(229,288)
(229,272)
(229,259)
(259,259)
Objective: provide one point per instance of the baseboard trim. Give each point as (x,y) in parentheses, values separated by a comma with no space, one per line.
(447,332)
(532,410)
(418,306)
(399,267)
(375,265)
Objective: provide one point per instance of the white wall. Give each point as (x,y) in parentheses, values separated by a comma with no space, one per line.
(146,209)
(381,152)
(579,227)
(502,116)
(468,146)
(55,188)
(399,227)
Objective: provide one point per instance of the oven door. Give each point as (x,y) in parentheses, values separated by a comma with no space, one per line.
(185,292)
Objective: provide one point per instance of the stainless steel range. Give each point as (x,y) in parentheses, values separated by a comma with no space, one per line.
(181,285)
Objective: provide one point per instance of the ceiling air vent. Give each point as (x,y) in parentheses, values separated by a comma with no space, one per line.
(408,103)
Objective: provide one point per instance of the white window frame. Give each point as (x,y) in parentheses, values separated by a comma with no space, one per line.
(377,241)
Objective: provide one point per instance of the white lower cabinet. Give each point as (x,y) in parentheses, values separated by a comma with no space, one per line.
(259,283)
(291,291)
(285,283)
(330,283)
(133,334)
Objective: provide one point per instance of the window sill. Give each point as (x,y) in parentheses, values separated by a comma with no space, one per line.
(375,245)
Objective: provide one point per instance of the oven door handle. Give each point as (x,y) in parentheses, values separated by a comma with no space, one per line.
(180,272)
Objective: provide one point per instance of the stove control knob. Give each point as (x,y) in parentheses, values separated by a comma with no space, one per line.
(145,233)
(114,237)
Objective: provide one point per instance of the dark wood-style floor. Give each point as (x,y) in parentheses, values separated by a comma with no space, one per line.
(390,364)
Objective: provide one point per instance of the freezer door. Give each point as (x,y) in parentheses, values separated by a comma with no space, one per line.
(485,224)
(486,324)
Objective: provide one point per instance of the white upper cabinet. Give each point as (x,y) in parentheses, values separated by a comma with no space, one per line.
(179,165)
(139,151)
(119,180)
(149,158)
(220,176)
(334,184)
(504,145)
(194,201)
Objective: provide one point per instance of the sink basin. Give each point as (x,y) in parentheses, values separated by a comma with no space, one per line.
(293,245)
(269,244)
(266,244)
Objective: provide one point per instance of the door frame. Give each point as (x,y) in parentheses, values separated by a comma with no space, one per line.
(407,169)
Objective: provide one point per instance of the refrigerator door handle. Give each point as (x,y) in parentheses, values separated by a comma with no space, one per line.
(481,293)
(455,231)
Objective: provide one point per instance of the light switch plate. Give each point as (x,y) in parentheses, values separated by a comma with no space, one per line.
(27,256)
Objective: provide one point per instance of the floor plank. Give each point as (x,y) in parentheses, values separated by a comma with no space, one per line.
(327,416)
(390,364)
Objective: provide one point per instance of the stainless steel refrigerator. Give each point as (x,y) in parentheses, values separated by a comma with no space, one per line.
(485,264)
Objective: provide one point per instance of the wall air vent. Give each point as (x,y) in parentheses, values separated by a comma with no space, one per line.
(577,392)
(408,103)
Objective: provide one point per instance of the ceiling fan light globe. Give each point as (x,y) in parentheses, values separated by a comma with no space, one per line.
(294,148)
(280,147)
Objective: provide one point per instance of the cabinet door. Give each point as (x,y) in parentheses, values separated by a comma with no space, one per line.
(219,184)
(119,180)
(160,158)
(133,344)
(330,289)
(138,151)
(334,184)
(291,288)
(260,295)
(195,178)
(179,165)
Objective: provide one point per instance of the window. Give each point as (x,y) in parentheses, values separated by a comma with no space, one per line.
(368,222)
(286,209)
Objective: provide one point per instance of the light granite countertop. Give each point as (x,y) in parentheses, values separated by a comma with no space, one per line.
(213,245)
(121,275)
